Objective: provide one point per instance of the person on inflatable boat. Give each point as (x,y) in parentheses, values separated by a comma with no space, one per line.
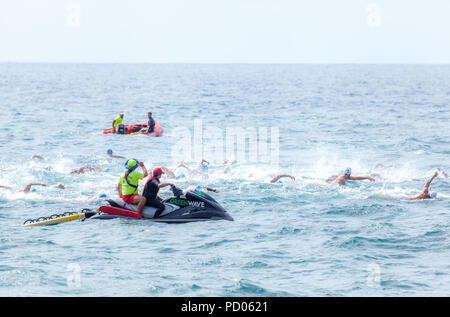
(151,123)
(117,121)
(129,183)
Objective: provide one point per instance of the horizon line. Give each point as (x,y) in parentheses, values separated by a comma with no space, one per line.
(228,63)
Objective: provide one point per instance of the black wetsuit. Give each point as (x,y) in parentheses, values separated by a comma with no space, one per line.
(151,193)
(151,125)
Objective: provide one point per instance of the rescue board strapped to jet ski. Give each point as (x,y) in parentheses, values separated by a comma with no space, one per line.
(137,128)
(55,219)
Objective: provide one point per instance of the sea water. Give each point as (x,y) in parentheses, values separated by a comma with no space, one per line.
(294,238)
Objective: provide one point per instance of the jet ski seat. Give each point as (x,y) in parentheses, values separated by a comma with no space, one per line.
(148,212)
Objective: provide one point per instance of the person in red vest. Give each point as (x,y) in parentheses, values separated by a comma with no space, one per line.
(151,190)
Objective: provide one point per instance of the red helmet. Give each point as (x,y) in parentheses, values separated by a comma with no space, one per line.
(157,171)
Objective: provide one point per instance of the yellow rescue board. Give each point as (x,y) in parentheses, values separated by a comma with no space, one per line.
(134,133)
(55,220)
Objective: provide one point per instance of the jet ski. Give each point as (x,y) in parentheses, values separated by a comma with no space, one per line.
(181,208)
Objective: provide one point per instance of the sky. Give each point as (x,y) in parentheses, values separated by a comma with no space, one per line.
(225,31)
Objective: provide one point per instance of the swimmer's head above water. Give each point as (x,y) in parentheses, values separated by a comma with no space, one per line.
(348,172)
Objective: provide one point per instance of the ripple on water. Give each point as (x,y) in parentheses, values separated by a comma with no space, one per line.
(292,238)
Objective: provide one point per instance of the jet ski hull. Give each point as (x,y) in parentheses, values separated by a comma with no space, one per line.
(172,213)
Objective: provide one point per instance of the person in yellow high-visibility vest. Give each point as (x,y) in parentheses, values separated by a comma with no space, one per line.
(129,182)
(117,121)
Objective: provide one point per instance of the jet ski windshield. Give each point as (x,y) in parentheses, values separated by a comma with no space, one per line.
(200,194)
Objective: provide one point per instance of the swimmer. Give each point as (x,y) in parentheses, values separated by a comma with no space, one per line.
(168,172)
(227,166)
(199,187)
(425,194)
(37,157)
(109,152)
(341,178)
(276,178)
(59,186)
(382,165)
(379,165)
(202,168)
(28,188)
(85,169)
(171,174)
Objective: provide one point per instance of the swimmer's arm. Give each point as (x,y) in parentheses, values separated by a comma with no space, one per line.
(7,187)
(96,168)
(276,178)
(168,172)
(28,187)
(427,185)
(116,156)
(359,178)
(212,190)
(182,165)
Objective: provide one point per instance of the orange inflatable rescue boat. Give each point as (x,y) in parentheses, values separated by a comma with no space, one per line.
(137,128)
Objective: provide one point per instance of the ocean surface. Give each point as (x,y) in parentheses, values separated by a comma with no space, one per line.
(295,238)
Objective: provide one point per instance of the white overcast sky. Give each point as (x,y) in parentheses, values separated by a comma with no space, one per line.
(225,31)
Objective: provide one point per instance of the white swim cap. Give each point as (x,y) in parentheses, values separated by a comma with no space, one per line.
(433,195)
(348,171)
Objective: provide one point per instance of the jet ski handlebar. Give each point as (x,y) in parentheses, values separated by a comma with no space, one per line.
(177,192)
